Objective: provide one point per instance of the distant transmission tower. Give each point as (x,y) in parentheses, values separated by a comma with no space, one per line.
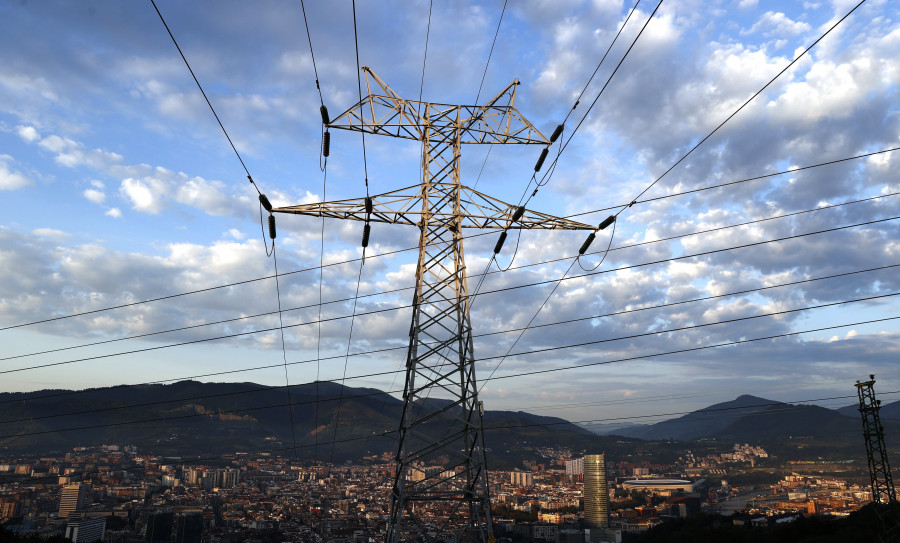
(883,492)
(440,488)
(876,452)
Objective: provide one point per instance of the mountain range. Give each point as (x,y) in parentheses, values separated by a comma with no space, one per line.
(190,418)
(193,418)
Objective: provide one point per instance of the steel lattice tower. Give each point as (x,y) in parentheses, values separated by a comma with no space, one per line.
(876,452)
(440,488)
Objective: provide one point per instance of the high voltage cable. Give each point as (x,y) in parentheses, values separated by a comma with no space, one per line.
(491,52)
(162,298)
(379,293)
(738,110)
(206,459)
(720,185)
(503,289)
(284,349)
(645,399)
(660,306)
(709,230)
(477,96)
(424,57)
(646,334)
(787,405)
(311,54)
(199,86)
(552,167)
(602,59)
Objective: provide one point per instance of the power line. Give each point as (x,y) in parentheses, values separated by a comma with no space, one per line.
(602,59)
(757,178)
(793,283)
(311,54)
(738,110)
(205,459)
(199,86)
(491,52)
(552,168)
(506,426)
(503,289)
(237,283)
(633,336)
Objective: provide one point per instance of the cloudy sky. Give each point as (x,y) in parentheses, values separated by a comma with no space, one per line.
(118,186)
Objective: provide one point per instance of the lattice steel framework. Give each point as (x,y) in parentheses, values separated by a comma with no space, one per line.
(876,452)
(440,488)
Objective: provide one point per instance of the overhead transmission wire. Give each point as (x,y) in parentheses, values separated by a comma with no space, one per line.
(521,209)
(612,219)
(607,340)
(263,389)
(499,290)
(741,107)
(69,393)
(513,375)
(482,234)
(262,199)
(591,317)
(366,229)
(650,308)
(775,406)
(481,85)
(256,408)
(503,289)
(523,200)
(490,146)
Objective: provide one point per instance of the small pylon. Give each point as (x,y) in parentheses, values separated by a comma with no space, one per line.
(884,495)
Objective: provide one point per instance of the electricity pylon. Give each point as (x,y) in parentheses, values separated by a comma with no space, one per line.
(440,488)
(883,493)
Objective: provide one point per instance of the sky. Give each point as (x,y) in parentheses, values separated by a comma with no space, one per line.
(118,186)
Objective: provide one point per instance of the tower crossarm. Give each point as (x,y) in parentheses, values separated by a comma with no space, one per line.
(382,111)
(404,206)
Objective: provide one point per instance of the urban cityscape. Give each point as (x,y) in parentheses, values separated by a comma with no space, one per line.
(116,494)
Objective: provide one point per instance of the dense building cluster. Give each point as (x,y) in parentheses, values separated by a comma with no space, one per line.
(126,496)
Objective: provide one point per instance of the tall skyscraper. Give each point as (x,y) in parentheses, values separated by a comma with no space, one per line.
(72,498)
(596,494)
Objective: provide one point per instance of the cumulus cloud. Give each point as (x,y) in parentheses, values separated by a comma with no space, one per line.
(777,24)
(11,179)
(95,196)
(28,133)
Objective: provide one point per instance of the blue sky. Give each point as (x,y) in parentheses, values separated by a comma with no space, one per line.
(117,185)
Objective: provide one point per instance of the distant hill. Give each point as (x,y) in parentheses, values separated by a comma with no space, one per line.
(190,417)
(888,410)
(701,423)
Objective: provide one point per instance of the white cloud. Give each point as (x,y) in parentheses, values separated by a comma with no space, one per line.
(11,179)
(143,197)
(114,212)
(95,196)
(778,24)
(28,133)
(51,233)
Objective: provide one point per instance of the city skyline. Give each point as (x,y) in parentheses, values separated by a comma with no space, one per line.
(118,186)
